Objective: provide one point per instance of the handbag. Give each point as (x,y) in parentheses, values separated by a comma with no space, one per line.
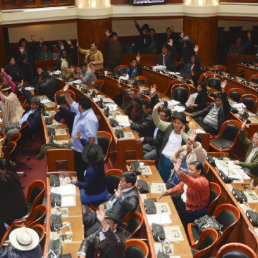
(142,186)
(54,180)
(56,247)
(239,195)
(207,221)
(55,199)
(158,232)
(150,206)
(55,222)
(253,217)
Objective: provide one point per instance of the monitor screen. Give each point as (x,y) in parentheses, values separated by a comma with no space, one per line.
(147,2)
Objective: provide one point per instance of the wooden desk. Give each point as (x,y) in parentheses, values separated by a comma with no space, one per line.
(234,60)
(244,232)
(181,248)
(74,218)
(246,70)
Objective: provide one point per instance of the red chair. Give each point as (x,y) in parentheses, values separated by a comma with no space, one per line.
(203,76)
(120,67)
(219,68)
(214,81)
(136,248)
(214,196)
(236,250)
(113,177)
(226,214)
(15,137)
(235,94)
(98,84)
(62,92)
(250,101)
(133,221)
(9,149)
(206,243)
(253,78)
(104,141)
(180,92)
(40,231)
(227,136)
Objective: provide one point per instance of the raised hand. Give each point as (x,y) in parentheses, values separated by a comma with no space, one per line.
(196,48)
(118,191)
(77,43)
(223,85)
(21,49)
(249,35)
(101,212)
(192,136)
(182,129)
(66,87)
(138,57)
(177,166)
(158,106)
(2,70)
(243,125)
(41,40)
(107,32)
(182,34)
(170,42)
(32,38)
(153,89)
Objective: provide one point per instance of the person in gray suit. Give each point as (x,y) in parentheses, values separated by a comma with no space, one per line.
(124,200)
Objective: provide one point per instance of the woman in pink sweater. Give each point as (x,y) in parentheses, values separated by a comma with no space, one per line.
(191,196)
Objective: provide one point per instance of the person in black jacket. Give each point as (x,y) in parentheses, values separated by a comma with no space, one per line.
(47,85)
(144,38)
(14,70)
(146,127)
(167,57)
(32,114)
(197,101)
(108,241)
(66,60)
(151,145)
(212,117)
(187,48)
(124,200)
(65,115)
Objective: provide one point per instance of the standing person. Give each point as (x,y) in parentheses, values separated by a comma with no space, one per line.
(44,52)
(144,38)
(167,56)
(92,55)
(56,52)
(14,70)
(239,48)
(153,45)
(85,128)
(113,50)
(187,48)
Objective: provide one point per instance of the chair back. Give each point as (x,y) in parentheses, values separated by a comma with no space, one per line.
(214,82)
(180,92)
(9,149)
(120,69)
(236,250)
(222,68)
(37,216)
(15,137)
(230,132)
(253,78)
(227,215)
(136,248)
(215,193)
(203,76)
(113,177)
(235,94)
(104,141)
(133,221)
(40,231)
(250,101)
(36,193)
(60,92)
(98,84)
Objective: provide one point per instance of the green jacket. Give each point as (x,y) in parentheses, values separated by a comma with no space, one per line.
(167,128)
(253,165)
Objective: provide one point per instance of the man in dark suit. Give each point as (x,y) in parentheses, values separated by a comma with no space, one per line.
(124,200)
(32,115)
(65,115)
(167,56)
(108,240)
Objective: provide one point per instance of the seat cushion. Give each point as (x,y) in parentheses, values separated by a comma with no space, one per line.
(133,223)
(214,82)
(235,254)
(222,143)
(180,94)
(35,192)
(226,218)
(235,96)
(249,102)
(103,143)
(112,182)
(133,252)
(230,132)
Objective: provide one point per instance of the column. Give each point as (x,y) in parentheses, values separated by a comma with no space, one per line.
(2,48)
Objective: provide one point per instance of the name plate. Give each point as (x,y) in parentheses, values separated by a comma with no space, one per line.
(129,135)
(60,132)
(157,187)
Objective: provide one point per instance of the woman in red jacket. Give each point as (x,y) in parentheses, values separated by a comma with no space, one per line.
(191,197)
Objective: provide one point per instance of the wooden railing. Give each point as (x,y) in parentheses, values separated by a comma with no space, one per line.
(20,4)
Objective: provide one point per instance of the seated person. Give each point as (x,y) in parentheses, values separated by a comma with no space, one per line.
(14,70)
(197,101)
(212,117)
(151,145)
(195,192)
(64,62)
(135,68)
(167,56)
(11,106)
(108,241)
(174,137)
(85,73)
(192,151)
(93,188)
(145,127)
(124,200)
(250,164)
(12,200)
(65,115)
(32,114)
(24,242)
(47,85)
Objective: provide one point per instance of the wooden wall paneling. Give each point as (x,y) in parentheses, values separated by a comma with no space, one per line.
(2,48)
(93,30)
(203,32)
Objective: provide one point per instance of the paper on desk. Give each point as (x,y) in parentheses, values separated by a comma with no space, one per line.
(179,108)
(29,88)
(167,249)
(76,82)
(173,102)
(251,196)
(146,170)
(44,101)
(57,72)
(161,218)
(50,104)
(173,234)
(162,207)
(199,131)
(108,100)
(60,132)
(123,120)
(143,196)
(60,142)
(1,120)
(159,67)
(112,107)
(124,77)
(244,207)
(69,189)
(68,201)
(129,135)
(239,105)
(157,187)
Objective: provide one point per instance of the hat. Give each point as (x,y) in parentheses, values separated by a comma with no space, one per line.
(92,153)
(111,215)
(179,115)
(5,86)
(24,239)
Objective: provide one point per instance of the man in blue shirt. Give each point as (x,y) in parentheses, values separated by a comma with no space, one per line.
(85,128)
(32,115)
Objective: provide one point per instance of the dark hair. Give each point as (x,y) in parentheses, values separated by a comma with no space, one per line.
(167,111)
(62,51)
(61,100)
(203,86)
(130,177)
(199,166)
(35,100)
(44,75)
(22,40)
(152,29)
(217,95)
(113,34)
(95,43)
(83,64)
(147,104)
(85,102)
(168,29)
(10,57)
(132,59)
(166,46)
